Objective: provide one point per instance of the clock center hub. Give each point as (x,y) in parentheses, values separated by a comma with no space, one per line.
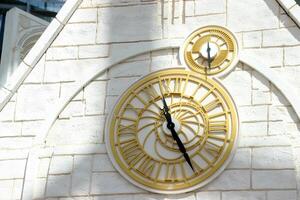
(167,131)
(213,50)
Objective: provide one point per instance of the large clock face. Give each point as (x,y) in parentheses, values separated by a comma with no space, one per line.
(142,147)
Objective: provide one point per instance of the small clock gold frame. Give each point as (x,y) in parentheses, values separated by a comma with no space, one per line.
(224,51)
(141,147)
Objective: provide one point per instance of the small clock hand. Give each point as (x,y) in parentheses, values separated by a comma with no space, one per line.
(171,127)
(208,55)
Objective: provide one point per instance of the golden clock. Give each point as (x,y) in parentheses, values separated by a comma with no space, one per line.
(142,147)
(210,50)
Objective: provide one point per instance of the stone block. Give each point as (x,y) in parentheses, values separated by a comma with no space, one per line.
(281,37)
(62,53)
(31,128)
(204,7)
(239,195)
(231,180)
(12,143)
(84,15)
(241,159)
(277,128)
(73,109)
(208,195)
(77,130)
(282,113)
(81,175)
(130,23)
(145,56)
(187,196)
(67,89)
(39,188)
(253,113)
(120,197)
(254,129)
(261,97)
(43,167)
(71,70)
(272,57)
(264,17)
(10,129)
(8,112)
(6,188)
(11,169)
(239,85)
(189,8)
(13,154)
(252,39)
(274,179)
(79,149)
(58,185)
(179,30)
(283,194)
(61,165)
(273,158)
(102,163)
(137,68)
(18,187)
(94,94)
(116,86)
(291,55)
(36,101)
(94,51)
(111,183)
(76,34)
(263,141)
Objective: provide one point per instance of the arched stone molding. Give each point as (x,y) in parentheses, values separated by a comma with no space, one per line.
(292,9)
(120,56)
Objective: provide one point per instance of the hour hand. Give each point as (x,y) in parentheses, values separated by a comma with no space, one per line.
(166,111)
(208,55)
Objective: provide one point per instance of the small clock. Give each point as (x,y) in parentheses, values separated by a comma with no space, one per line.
(141,143)
(210,50)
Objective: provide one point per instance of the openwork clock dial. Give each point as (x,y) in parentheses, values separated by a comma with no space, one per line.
(211,50)
(141,146)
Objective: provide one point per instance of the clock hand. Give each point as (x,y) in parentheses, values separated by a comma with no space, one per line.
(208,55)
(180,145)
(171,127)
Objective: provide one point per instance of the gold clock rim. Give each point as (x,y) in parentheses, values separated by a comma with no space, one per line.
(219,73)
(117,163)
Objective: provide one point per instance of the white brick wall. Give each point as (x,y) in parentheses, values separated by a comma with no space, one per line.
(74,161)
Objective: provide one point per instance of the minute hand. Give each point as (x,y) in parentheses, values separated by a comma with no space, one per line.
(181,147)
(171,127)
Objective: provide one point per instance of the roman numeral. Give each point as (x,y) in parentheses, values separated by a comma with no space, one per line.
(164,85)
(212,105)
(151,92)
(134,109)
(127,129)
(217,126)
(147,166)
